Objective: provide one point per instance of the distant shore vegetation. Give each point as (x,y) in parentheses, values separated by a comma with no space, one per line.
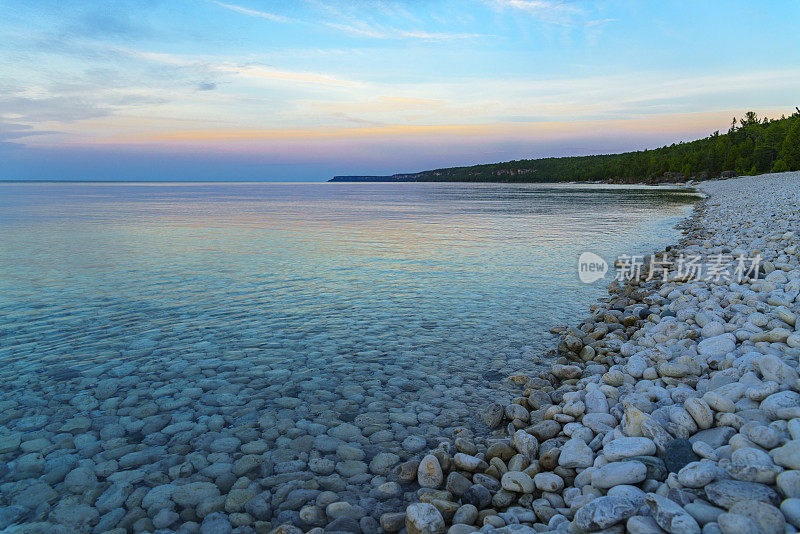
(751,146)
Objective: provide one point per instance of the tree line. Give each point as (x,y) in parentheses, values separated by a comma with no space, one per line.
(751,146)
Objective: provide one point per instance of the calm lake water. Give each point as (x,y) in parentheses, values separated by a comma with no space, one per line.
(315,327)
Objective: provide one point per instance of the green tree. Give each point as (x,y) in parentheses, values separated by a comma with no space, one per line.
(750,146)
(780,166)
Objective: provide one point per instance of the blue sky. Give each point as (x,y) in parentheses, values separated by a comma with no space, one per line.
(303,90)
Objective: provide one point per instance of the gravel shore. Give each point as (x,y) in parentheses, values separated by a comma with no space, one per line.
(673,408)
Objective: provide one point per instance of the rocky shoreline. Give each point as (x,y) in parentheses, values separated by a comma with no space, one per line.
(673,408)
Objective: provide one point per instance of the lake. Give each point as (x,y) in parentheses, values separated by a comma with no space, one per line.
(306,337)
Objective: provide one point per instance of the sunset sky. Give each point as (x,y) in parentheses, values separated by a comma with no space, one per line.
(305,89)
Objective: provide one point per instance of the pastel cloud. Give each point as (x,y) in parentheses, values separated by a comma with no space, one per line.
(379,79)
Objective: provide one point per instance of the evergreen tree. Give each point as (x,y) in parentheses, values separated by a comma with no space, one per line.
(751,146)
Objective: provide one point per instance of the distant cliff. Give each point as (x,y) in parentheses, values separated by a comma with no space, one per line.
(751,146)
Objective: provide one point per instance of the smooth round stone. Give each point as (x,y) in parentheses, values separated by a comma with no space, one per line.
(502,450)
(764,436)
(515,411)
(704,450)
(671,516)
(75,516)
(346,432)
(716,345)
(351,468)
(35,445)
(544,430)
(791,510)
(467,514)
(113,497)
(736,524)
(725,493)
(429,472)
(491,415)
(617,473)
(712,329)
(424,518)
(604,512)
(457,483)
(393,521)
(312,515)
(388,490)
(225,444)
(524,443)
(193,493)
(349,452)
(575,453)
(781,404)
(406,471)
(216,523)
(80,480)
(383,463)
(678,454)
(788,483)
(466,446)
(627,447)
(768,518)
(336,510)
(478,496)
(751,456)
(716,437)
(774,369)
(700,412)
(631,493)
(788,455)
(461,529)
(326,443)
(697,474)
(518,482)
(758,319)
(703,512)
(414,444)
(466,462)
(322,466)
(639,524)
(164,518)
(718,403)
(11,442)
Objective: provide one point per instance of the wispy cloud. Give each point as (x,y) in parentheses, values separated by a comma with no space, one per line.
(268,73)
(551,11)
(362,29)
(263,72)
(599,22)
(353,26)
(252,12)
(10,130)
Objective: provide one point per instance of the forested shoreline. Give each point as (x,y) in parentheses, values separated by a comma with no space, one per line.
(751,146)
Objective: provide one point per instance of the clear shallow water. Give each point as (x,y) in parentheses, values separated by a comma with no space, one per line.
(292,317)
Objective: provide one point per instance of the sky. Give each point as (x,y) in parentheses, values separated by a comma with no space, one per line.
(309,89)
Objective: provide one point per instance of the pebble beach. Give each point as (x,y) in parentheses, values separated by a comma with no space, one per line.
(673,407)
